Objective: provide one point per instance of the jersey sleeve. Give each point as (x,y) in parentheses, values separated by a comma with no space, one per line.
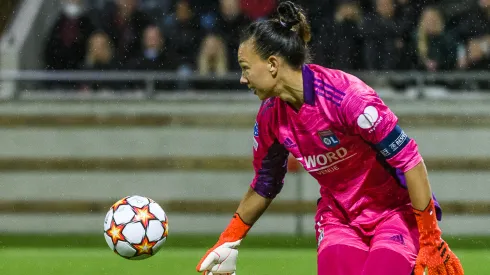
(269,157)
(366,115)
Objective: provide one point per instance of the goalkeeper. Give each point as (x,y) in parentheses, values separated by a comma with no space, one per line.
(376,214)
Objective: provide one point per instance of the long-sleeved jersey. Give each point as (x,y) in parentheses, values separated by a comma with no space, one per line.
(345,137)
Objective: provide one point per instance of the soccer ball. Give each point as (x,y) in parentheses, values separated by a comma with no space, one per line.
(135,227)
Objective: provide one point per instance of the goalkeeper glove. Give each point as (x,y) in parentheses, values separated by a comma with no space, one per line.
(434,253)
(222,257)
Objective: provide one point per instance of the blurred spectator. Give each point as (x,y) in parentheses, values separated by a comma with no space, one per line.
(478,54)
(230,20)
(258,9)
(66,46)
(203,6)
(478,59)
(475,35)
(154,54)
(477,22)
(100,54)
(213,62)
(213,56)
(346,35)
(124,24)
(157,9)
(436,48)
(183,34)
(382,37)
(318,10)
(100,57)
(417,6)
(205,12)
(407,15)
(95,4)
(322,27)
(320,13)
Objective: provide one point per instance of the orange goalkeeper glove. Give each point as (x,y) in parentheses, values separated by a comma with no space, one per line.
(434,253)
(222,257)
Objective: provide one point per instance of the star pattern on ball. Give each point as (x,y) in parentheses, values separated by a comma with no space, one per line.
(115,232)
(119,202)
(143,215)
(165,228)
(145,247)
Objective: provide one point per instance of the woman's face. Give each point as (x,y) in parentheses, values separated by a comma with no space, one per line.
(385,8)
(258,74)
(432,22)
(100,47)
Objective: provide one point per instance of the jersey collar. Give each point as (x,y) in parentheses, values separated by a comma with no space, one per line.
(308,91)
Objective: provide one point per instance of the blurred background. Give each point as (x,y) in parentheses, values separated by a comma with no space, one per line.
(101,99)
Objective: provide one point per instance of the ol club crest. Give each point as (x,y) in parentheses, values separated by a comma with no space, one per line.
(328,138)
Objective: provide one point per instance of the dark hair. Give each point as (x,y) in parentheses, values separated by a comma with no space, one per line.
(286,36)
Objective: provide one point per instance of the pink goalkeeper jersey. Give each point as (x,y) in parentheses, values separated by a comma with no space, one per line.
(346,138)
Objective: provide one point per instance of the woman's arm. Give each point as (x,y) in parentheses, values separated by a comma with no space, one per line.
(418,186)
(252,206)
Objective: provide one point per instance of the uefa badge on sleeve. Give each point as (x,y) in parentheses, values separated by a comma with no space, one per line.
(320,237)
(256,135)
(328,138)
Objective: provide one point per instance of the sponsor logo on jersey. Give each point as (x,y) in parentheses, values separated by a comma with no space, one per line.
(328,138)
(326,160)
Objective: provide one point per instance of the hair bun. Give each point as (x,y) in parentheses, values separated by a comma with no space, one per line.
(288,14)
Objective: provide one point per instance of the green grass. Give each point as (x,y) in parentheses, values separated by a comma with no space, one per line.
(257,261)
(259,255)
(193,241)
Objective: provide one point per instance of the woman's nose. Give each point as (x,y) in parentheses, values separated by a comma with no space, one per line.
(243,80)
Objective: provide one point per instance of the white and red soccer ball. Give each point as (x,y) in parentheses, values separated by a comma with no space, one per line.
(135,227)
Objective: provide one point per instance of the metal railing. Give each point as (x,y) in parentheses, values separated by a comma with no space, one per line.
(418,79)
(36,75)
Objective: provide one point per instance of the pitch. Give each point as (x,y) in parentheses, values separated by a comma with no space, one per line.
(257,261)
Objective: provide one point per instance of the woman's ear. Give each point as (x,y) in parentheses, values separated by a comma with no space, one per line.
(273,64)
